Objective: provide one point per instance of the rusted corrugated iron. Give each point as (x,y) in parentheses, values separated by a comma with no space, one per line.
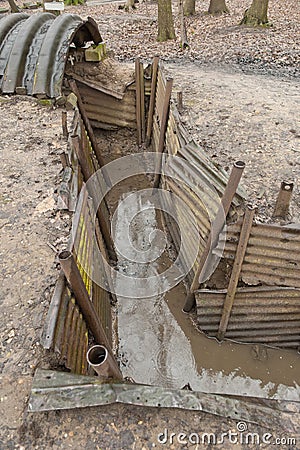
(192,177)
(70,340)
(272,255)
(259,314)
(70,269)
(34,50)
(105,111)
(66,330)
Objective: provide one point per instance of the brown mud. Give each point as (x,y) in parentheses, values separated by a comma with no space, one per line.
(148,330)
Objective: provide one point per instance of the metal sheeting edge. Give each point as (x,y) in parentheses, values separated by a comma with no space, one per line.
(53,390)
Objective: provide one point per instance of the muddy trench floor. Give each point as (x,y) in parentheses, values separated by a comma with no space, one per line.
(152,330)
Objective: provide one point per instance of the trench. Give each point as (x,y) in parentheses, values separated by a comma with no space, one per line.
(157,343)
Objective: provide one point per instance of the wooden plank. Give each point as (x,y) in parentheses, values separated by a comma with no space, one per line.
(152,99)
(138,100)
(143,120)
(236,270)
(163,128)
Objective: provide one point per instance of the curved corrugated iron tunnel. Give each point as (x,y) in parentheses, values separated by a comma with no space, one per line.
(34,50)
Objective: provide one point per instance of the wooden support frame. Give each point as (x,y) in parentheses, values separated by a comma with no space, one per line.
(142,99)
(163,128)
(155,66)
(218,225)
(138,100)
(236,270)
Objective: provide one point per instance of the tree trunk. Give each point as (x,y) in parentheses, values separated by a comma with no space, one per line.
(217,7)
(257,14)
(165,21)
(129,5)
(14,8)
(184,41)
(189,7)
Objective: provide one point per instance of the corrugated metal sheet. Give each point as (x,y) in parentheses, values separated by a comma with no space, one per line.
(84,252)
(261,314)
(107,111)
(34,50)
(272,256)
(71,335)
(65,329)
(192,177)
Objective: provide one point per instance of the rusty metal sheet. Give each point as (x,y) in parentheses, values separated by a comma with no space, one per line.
(272,255)
(176,136)
(214,175)
(172,135)
(65,329)
(34,50)
(108,110)
(259,315)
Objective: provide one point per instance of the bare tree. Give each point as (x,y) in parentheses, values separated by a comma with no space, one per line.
(257,14)
(217,7)
(189,7)
(184,40)
(165,21)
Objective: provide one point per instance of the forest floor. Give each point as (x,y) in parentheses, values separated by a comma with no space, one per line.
(241,101)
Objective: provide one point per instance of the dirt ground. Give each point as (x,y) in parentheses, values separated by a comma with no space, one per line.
(234,114)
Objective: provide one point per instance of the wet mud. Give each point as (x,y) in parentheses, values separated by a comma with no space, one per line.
(158,343)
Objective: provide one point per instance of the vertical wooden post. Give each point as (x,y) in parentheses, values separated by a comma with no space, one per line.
(152,99)
(138,100)
(143,121)
(283,200)
(163,128)
(64,124)
(217,226)
(236,270)
(179,101)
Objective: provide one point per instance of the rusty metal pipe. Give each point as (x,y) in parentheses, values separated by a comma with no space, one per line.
(101,361)
(283,200)
(87,308)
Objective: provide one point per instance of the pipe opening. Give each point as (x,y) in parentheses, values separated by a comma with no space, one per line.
(65,254)
(97,355)
(239,164)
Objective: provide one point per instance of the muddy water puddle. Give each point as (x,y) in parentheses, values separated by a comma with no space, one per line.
(158,343)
